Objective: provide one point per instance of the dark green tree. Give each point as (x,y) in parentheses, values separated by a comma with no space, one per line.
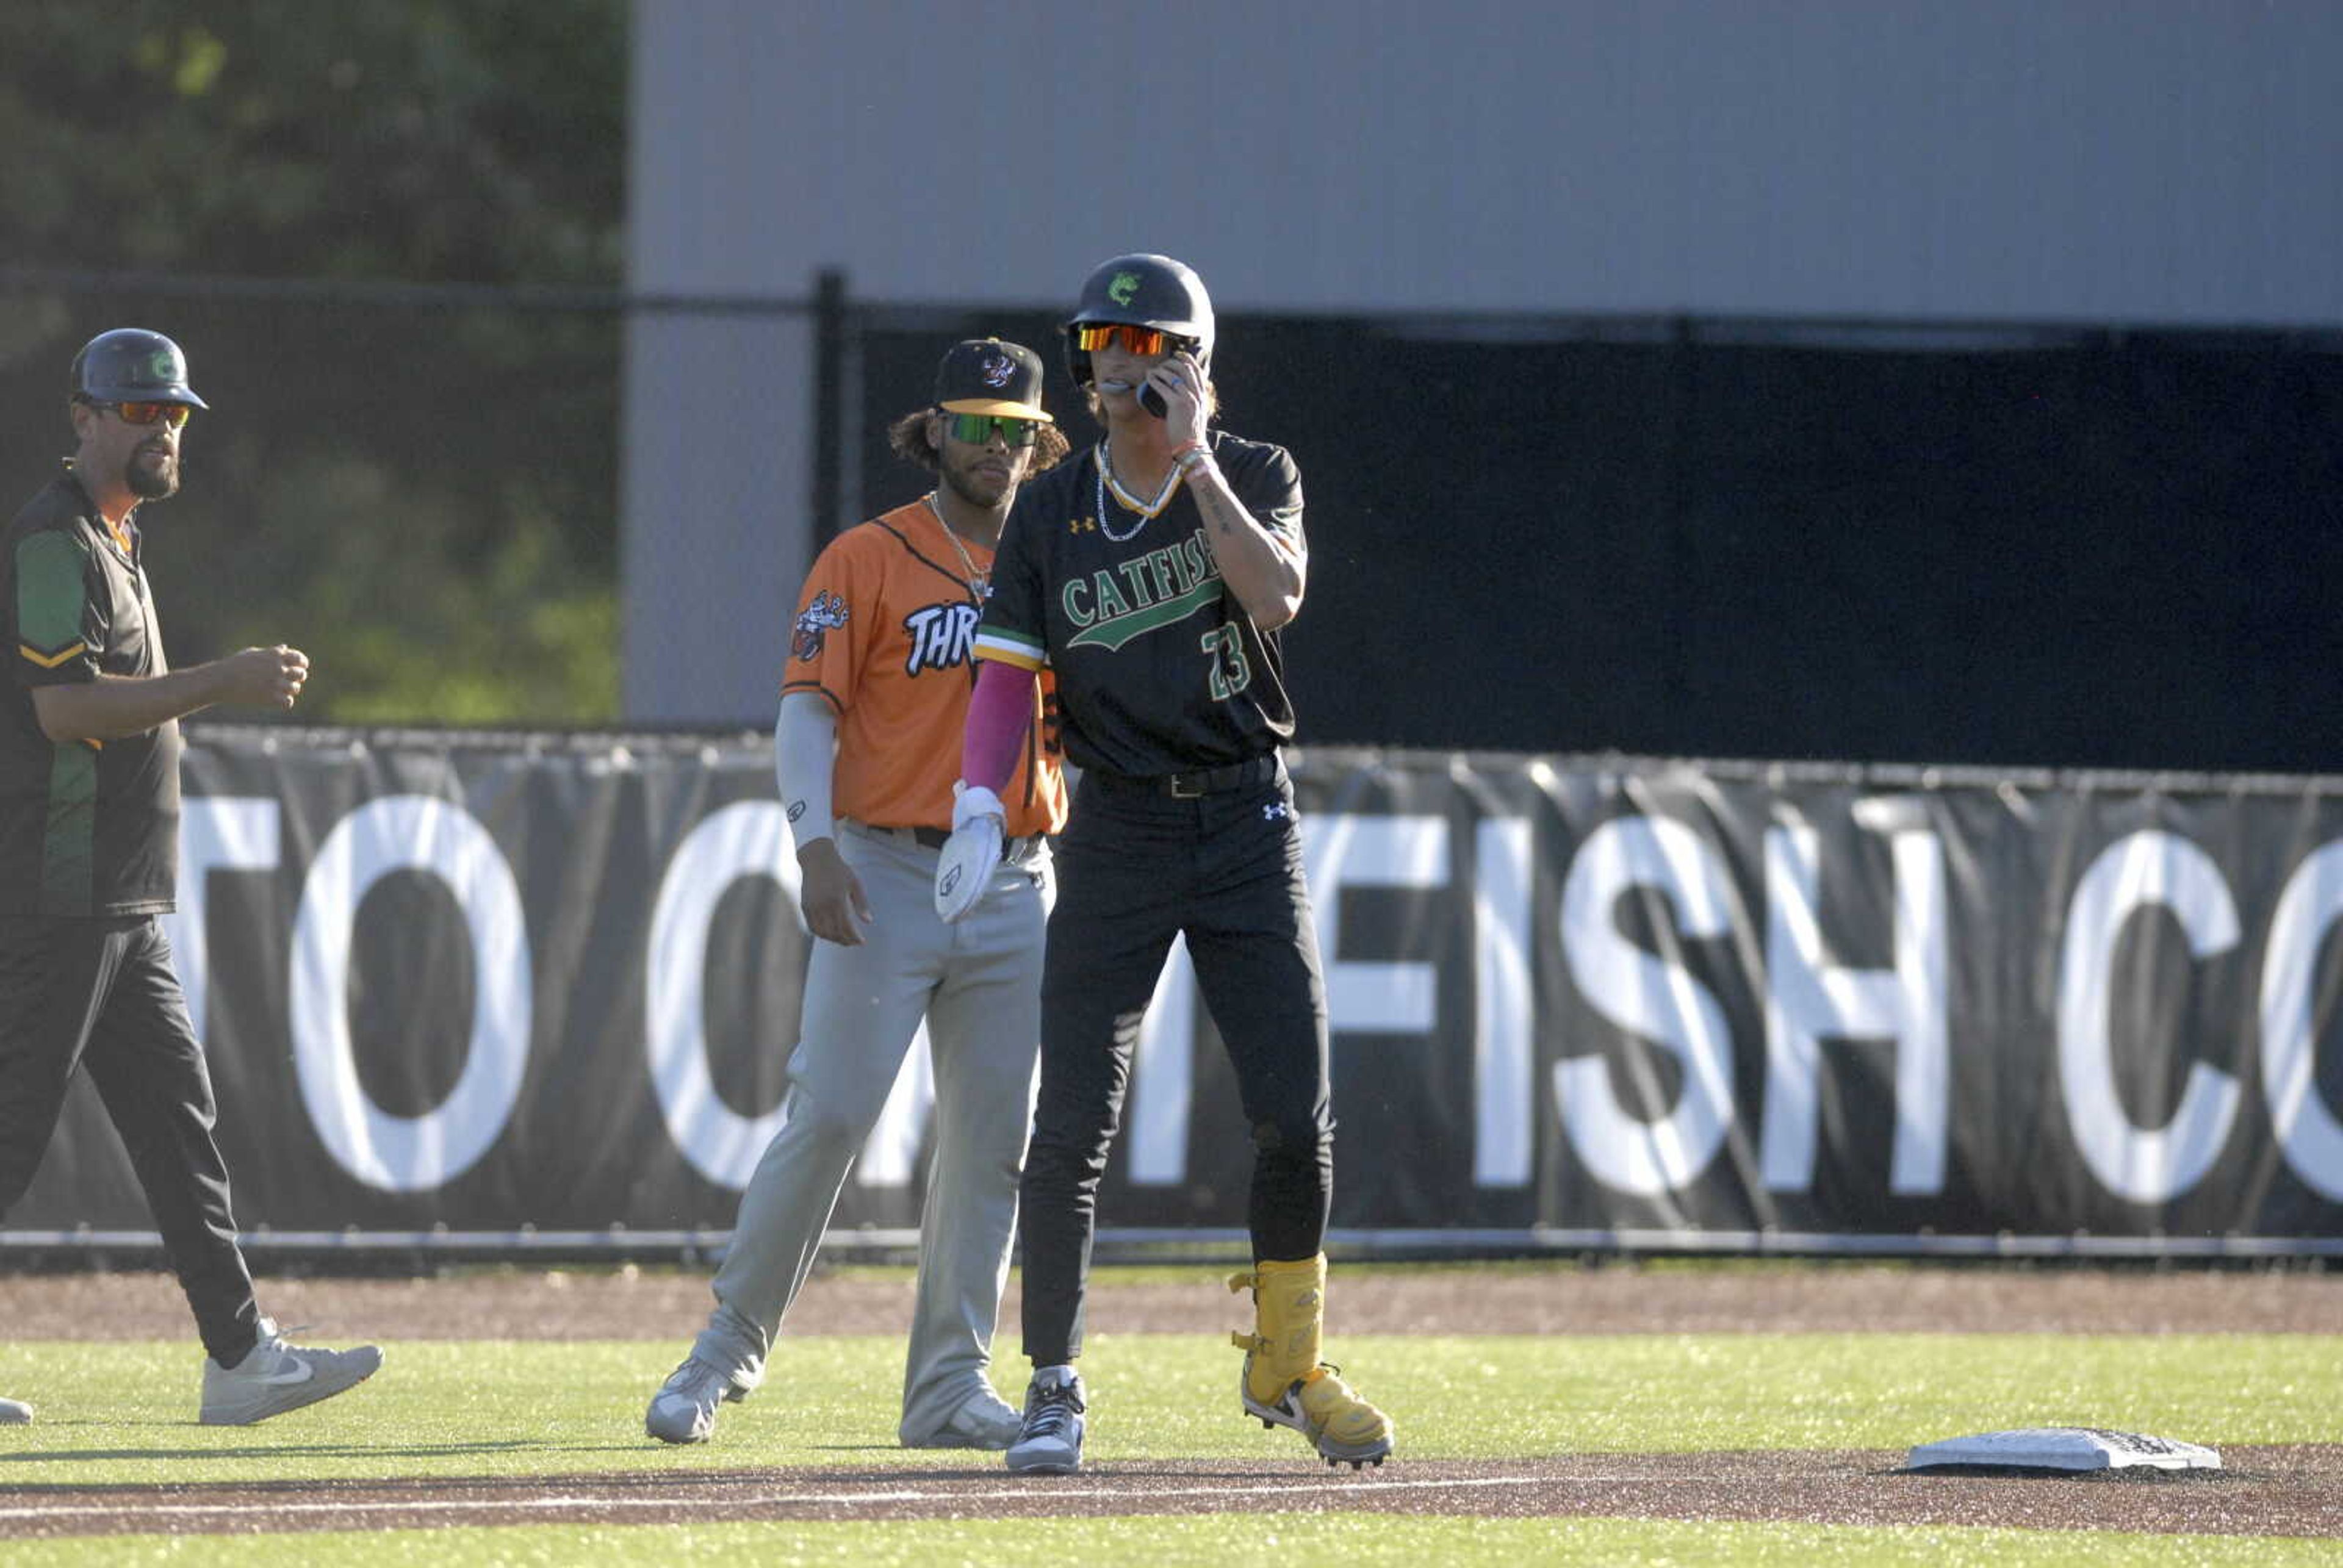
(422,494)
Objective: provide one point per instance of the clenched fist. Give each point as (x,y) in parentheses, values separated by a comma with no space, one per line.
(266,677)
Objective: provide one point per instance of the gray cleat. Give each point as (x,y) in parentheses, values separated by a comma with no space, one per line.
(684,1408)
(15,1412)
(276,1377)
(1050,1442)
(984,1419)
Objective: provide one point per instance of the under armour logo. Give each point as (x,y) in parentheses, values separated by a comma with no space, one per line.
(1276,811)
(1082,526)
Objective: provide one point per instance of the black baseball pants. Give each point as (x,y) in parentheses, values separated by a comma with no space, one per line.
(102,994)
(1135,868)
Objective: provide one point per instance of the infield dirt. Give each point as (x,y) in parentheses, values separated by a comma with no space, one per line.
(2276,1491)
(629,1302)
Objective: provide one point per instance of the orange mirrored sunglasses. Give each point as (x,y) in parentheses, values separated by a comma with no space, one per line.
(172,413)
(1145,341)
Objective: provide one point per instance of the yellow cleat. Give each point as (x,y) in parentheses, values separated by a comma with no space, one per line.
(1285,1384)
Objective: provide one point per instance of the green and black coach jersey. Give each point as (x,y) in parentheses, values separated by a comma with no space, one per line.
(85,828)
(1159,669)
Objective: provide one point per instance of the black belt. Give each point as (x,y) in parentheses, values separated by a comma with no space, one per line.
(937,837)
(1257,769)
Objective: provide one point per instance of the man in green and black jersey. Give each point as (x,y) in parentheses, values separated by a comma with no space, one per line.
(1152,575)
(89,820)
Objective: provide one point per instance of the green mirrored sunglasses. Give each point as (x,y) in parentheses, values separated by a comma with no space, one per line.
(976,430)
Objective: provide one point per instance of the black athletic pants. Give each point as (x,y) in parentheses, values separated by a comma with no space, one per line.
(102,994)
(1135,868)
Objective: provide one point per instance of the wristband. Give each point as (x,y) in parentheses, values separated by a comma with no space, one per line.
(1191,457)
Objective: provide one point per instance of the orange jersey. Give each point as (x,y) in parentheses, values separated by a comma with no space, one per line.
(885,629)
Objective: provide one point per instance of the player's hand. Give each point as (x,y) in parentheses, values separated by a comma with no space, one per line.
(266,676)
(964,868)
(1180,381)
(831,895)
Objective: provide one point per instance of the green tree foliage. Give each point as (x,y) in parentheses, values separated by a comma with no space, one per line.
(422,495)
(477,140)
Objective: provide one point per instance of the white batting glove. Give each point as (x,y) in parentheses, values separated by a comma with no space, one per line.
(965,869)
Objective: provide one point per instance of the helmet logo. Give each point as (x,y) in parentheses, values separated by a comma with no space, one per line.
(1124,287)
(165,364)
(998,369)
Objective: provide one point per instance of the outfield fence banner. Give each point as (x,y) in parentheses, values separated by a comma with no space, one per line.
(465,984)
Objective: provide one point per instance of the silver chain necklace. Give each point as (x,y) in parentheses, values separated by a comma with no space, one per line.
(1127,501)
(967,564)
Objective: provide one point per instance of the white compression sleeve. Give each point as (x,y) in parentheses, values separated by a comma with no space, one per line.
(805,747)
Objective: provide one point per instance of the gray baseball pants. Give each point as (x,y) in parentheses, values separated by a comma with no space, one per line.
(978,986)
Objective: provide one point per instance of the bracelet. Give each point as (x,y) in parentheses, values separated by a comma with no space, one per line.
(1191,455)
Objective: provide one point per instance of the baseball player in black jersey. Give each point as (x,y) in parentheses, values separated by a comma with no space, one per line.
(1152,574)
(89,853)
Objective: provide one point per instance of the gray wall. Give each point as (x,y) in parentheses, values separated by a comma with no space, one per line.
(2146,161)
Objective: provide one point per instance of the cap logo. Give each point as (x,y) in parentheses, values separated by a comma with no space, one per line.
(998,369)
(1124,289)
(165,364)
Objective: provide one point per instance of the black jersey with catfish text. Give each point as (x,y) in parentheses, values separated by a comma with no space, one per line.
(1159,670)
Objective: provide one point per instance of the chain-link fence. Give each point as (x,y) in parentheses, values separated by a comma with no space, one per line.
(417,485)
(1878,542)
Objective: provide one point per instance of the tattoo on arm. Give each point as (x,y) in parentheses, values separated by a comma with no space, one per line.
(1221,509)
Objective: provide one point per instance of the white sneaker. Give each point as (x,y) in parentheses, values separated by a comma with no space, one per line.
(684,1408)
(1049,1441)
(984,1419)
(16,1412)
(276,1376)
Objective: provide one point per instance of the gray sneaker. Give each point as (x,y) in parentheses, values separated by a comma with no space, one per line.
(984,1419)
(15,1412)
(684,1408)
(276,1377)
(1050,1442)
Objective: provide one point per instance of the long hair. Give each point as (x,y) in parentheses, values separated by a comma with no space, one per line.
(1211,401)
(908,439)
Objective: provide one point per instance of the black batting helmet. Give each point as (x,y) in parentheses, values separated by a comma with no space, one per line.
(131,364)
(1142,290)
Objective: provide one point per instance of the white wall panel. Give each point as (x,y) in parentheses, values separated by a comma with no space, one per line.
(2132,159)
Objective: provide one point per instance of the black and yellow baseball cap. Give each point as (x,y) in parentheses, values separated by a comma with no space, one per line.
(987,376)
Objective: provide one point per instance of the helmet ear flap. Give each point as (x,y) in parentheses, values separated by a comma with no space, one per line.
(1078,362)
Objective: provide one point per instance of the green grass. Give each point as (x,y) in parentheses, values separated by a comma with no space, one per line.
(1225,1540)
(113,1413)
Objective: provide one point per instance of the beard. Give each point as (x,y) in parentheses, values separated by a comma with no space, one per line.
(974,489)
(152,484)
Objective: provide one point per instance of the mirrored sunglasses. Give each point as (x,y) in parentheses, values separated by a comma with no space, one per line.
(175,414)
(976,430)
(1145,341)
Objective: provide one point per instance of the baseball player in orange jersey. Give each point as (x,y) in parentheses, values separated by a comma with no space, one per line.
(867,751)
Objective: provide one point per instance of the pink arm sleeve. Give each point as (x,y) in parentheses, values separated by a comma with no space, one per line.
(999,711)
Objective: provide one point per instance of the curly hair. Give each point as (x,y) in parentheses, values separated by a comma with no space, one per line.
(908,439)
